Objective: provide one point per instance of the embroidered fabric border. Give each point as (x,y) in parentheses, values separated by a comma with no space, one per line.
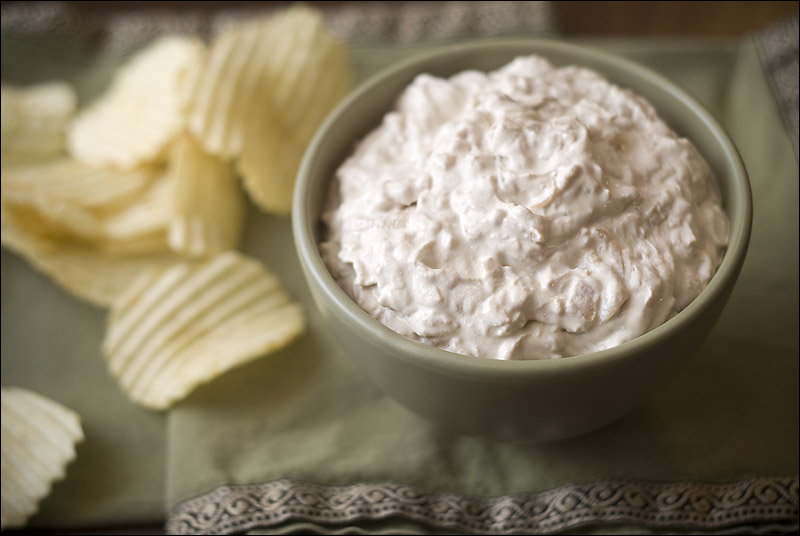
(779,49)
(679,505)
(386,22)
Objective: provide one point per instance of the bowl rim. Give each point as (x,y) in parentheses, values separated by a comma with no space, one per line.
(489,369)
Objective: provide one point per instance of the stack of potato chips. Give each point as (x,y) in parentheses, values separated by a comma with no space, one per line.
(137,203)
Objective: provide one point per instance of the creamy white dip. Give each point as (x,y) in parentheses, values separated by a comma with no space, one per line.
(527,213)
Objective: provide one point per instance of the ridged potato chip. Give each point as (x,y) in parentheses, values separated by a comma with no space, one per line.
(308,76)
(208,205)
(268,167)
(129,222)
(149,214)
(176,328)
(79,268)
(265,89)
(80,183)
(220,100)
(53,218)
(34,121)
(140,114)
(38,437)
(67,198)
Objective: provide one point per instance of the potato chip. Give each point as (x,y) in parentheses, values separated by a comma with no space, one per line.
(67,198)
(176,328)
(38,437)
(208,205)
(52,217)
(34,121)
(311,76)
(143,110)
(220,99)
(80,183)
(268,173)
(138,225)
(305,78)
(79,268)
(149,213)
(265,89)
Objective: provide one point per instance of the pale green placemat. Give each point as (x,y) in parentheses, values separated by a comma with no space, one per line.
(51,345)
(308,415)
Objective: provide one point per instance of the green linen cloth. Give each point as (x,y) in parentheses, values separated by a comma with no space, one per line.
(51,344)
(308,415)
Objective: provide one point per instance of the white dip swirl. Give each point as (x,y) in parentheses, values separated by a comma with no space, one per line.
(527,213)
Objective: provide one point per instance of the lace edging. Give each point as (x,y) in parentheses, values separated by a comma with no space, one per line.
(778,46)
(699,506)
(404,22)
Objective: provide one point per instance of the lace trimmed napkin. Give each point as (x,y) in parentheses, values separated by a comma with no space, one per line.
(778,46)
(381,22)
(340,491)
(756,506)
